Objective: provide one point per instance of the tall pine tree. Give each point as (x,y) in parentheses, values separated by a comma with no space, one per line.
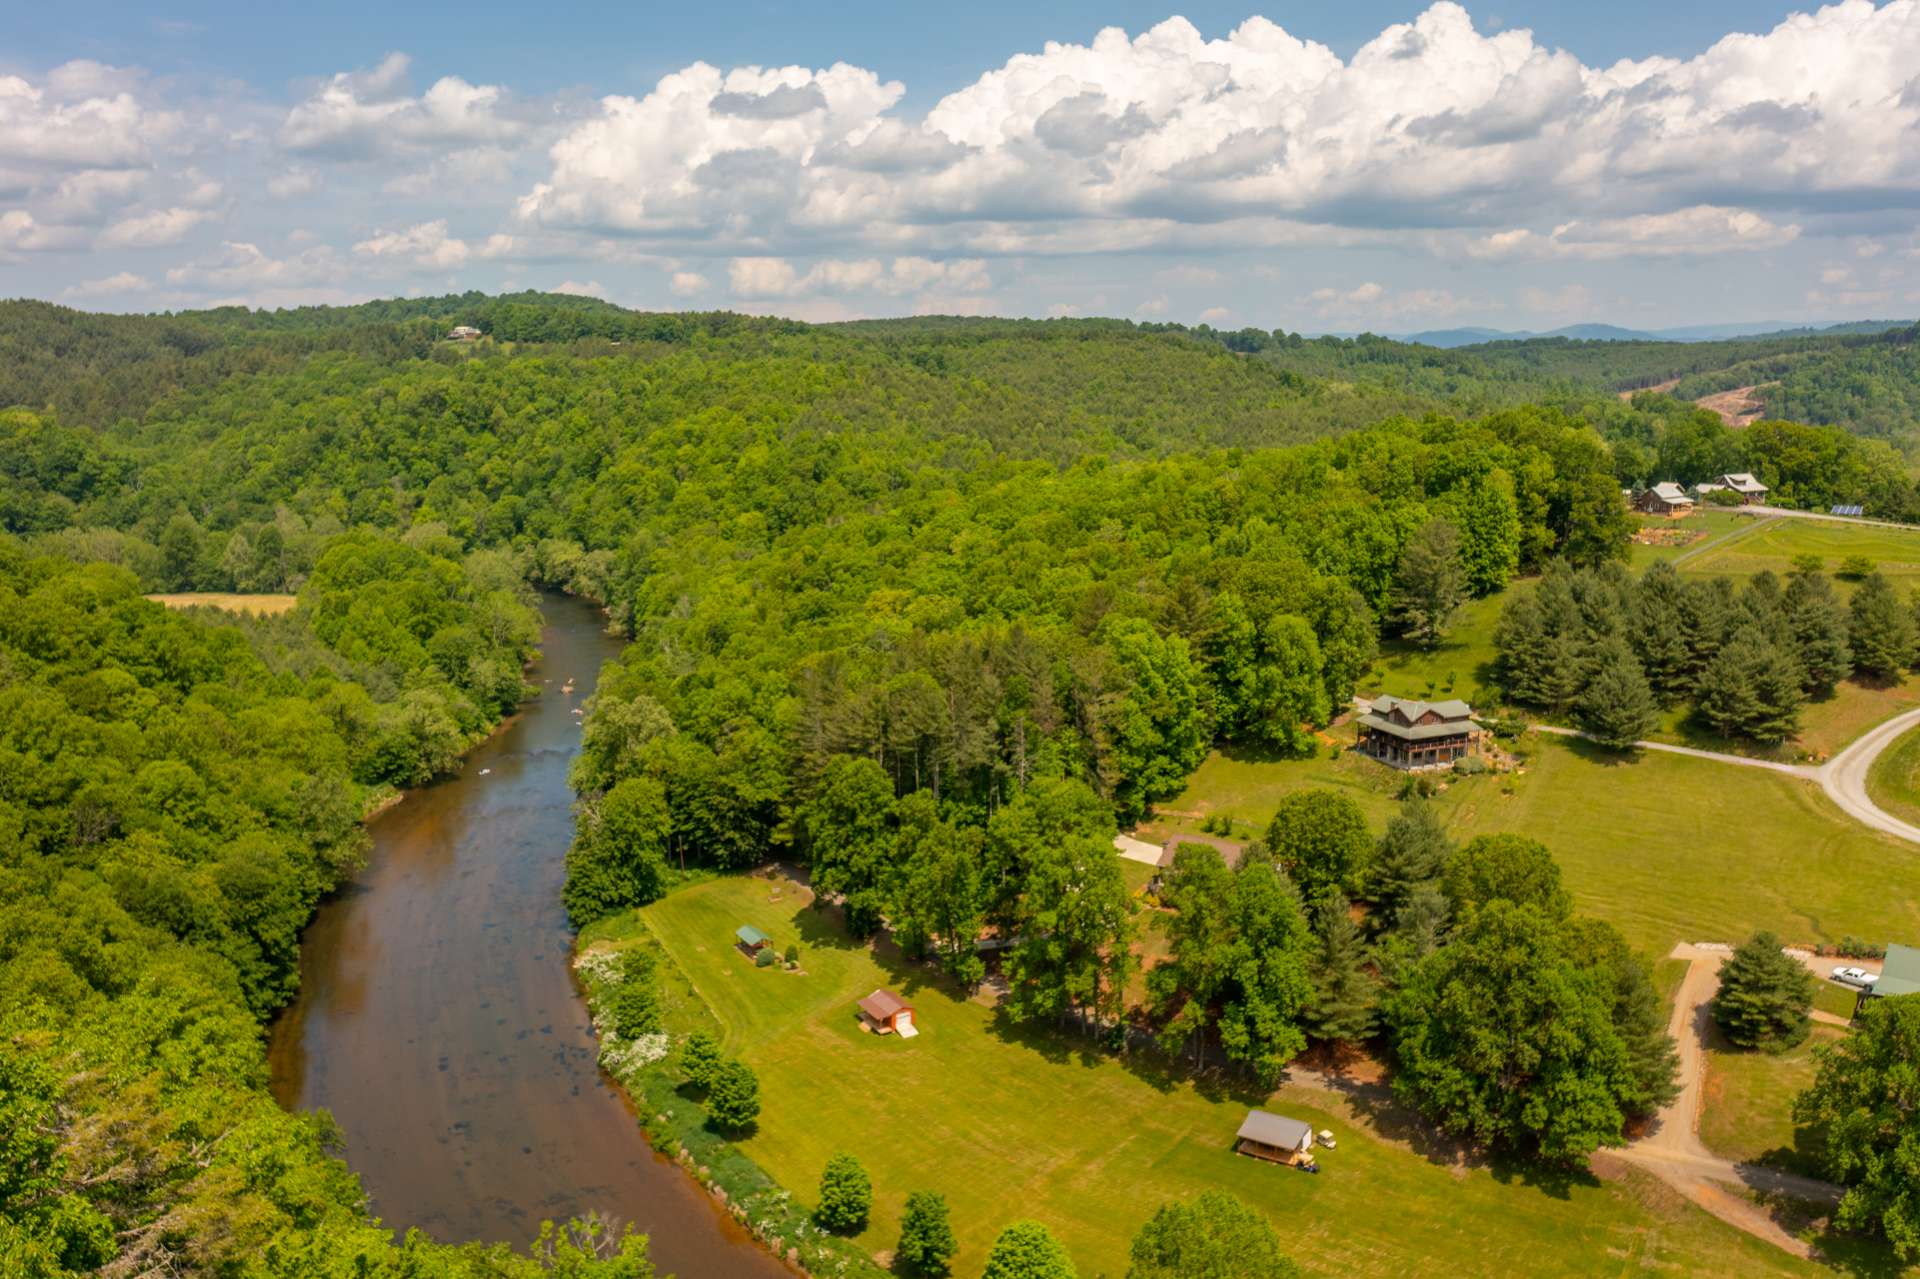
(1616,708)
(1818,626)
(1879,630)
(1342,1006)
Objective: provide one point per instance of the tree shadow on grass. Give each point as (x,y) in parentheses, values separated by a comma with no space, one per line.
(1591,752)
(823,926)
(1554,1180)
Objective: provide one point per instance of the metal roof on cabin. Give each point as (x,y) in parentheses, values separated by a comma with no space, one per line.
(751,935)
(881,1005)
(1900,974)
(1668,491)
(1273,1130)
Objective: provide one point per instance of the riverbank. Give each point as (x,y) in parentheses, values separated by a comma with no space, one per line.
(439,1024)
(676,1124)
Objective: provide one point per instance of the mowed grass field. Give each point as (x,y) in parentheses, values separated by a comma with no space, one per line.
(1774,544)
(1747,1110)
(1894,782)
(1013,1122)
(264,605)
(1665,847)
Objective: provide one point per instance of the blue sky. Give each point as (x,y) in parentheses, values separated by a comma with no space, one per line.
(1308,166)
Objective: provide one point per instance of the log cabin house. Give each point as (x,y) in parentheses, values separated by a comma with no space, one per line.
(1409,734)
(1665,498)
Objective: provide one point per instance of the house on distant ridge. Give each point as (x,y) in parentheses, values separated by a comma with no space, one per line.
(1665,498)
(463,333)
(1408,734)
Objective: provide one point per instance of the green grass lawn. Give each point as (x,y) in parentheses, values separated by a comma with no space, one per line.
(1775,544)
(1747,1111)
(1013,1122)
(1894,782)
(1461,666)
(1832,997)
(1664,847)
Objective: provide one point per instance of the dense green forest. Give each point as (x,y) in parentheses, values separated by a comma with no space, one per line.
(930,604)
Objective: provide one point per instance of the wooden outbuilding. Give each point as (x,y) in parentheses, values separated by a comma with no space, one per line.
(1667,499)
(751,939)
(885,1013)
(1751,490)
(1275,1138)
(1409,734)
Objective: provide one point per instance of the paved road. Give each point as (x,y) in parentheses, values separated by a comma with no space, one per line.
(1785,513)
(1843,778)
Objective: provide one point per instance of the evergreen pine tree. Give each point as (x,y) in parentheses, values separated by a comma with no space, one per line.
(1708,615)
(1344,996)
(1819,628)
(1429,584)
(1879,630)
(1411,854)
(1616,708)
(1764,996)
(1659,634)
(1751,689)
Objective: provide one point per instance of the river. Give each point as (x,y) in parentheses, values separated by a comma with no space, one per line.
(438,1020)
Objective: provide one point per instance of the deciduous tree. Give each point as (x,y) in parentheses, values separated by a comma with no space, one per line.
(1866,1097)
(1211,1236)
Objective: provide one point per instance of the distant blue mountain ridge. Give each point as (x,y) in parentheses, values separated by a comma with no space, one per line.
(1472,336)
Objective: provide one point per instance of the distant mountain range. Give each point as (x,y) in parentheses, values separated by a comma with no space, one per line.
(1614,333)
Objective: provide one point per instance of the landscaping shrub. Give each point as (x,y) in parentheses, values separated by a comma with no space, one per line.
(733,1100)
(635,1002)
(763,958)
(793,954)
(699,1060)
(846,1195)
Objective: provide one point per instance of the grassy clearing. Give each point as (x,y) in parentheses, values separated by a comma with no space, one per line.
(1013,1122)
(1664,847)
(1894,782)
(1747,1110)
(1832,997)
(1461,666)
(1777,542)
(264,605)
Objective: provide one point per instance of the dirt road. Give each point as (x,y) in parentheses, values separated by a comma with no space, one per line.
(1672,1150)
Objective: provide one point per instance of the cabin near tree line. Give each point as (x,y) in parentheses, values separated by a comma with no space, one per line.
(885,1013)
(1408,734)
(1275,1138)
(1741,484)
(1666,498)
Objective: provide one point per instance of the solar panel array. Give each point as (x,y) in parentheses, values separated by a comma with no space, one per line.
(1846,510)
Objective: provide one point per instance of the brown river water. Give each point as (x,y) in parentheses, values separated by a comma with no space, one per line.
(439,1022)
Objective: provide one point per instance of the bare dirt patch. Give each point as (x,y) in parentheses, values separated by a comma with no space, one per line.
(1738,407)
(259,605)
(1658,388)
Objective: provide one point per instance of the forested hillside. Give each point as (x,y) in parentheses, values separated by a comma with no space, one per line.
(1015,578)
